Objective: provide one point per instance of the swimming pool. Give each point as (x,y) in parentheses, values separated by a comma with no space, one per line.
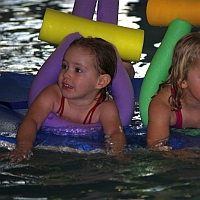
(58,175)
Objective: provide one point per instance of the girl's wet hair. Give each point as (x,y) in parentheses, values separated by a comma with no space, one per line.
(185,56)
(104,53)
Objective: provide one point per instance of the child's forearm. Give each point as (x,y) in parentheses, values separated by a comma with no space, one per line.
(26,134)
(117,142)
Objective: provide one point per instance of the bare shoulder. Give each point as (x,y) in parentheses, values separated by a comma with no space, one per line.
(50,96)
(51,90)
(161,100)
(44,103)
(108,104)
(159,107)
(108,109)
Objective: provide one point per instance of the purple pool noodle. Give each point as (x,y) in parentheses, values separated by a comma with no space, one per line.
(107,11)
(123,93)
(84,8)
(122,90)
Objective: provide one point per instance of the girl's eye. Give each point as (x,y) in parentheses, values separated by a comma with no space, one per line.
(65,66)
(78,70)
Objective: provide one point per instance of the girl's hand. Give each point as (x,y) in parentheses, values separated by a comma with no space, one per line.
(17,155)
(160,145)
(161,148)
(113,147)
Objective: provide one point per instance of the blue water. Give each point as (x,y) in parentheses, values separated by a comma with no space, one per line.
(56,175)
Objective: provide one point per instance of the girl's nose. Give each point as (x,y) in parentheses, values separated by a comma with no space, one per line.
(67,73)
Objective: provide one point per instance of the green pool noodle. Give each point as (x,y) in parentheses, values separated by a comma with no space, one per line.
(160,64)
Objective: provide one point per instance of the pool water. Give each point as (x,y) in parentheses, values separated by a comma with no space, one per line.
(142,174)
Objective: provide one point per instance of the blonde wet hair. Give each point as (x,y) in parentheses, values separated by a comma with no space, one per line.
(185,56)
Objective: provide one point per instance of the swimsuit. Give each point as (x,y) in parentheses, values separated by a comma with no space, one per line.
(179,119)
(90,113)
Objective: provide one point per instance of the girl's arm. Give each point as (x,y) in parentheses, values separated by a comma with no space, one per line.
(110,120)
(32,122)
(158,129)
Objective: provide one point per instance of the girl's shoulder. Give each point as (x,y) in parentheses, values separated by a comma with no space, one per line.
(51,89)
(107,111)
(159,107)
(108,103)
(51,92)
(161,98)
(163,93)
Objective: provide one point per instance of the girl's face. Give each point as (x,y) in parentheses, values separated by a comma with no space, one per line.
(192,84)
(78,77)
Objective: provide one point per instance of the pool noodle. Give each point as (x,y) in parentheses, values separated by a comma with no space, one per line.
(129,42)
(163,12)
(121,89)
(160,64)
(107,11)
(84,8)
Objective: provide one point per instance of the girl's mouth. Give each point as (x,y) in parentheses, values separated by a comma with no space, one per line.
(68,86)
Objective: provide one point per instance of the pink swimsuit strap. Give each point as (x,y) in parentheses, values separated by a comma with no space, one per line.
(90,113)
(61,108)
(179,119)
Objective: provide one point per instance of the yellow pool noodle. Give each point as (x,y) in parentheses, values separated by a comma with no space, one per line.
(56,25)
(163,12)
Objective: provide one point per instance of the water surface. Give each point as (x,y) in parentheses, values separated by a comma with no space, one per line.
(57,175)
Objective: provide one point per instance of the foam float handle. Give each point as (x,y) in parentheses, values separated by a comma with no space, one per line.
(163,12)
(160,64)
(56,25)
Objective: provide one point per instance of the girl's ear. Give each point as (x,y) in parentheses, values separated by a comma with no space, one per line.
(104,80)
(182,84)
